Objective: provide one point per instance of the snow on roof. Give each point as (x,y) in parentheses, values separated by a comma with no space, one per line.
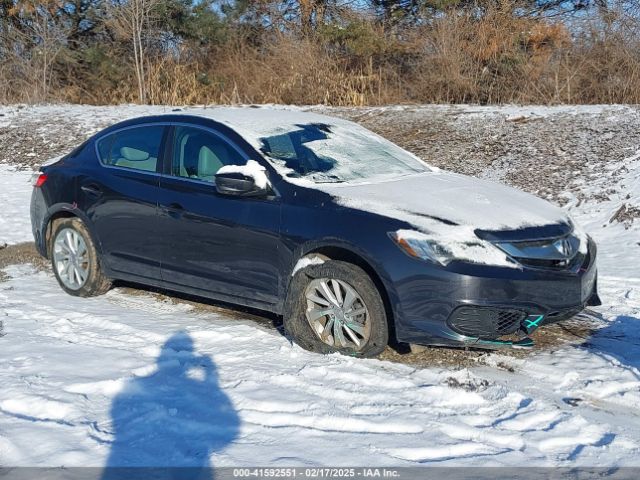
(256,114)
(254,123)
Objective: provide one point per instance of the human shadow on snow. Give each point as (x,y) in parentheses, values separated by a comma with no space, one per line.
(171,420)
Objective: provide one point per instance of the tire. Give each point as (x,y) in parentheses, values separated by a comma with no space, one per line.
(93,282)
(298,306)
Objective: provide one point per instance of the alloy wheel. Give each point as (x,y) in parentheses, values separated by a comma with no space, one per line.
(337,313)
(71,258)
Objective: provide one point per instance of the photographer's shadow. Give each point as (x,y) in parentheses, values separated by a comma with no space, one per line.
(173,419)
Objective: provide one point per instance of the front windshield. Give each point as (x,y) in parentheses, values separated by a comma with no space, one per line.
(325,153)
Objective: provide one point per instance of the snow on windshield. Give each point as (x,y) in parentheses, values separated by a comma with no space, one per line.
(327,153)
(309,148)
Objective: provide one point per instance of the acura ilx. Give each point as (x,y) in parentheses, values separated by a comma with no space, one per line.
(351,239)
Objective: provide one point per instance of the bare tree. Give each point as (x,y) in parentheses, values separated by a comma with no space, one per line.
(34,41)
(133,19)
(50,39)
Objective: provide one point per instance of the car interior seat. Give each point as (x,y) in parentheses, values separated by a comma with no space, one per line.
(210,161)
(135,158)
(202,158)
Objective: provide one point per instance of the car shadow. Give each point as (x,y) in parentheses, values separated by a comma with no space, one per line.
(262,317)
(168,423)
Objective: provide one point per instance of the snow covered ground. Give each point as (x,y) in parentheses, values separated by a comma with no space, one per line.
(15,195)
(136,380)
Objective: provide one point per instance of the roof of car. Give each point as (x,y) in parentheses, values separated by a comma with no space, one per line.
(261,119)
(242,115)
(255,123)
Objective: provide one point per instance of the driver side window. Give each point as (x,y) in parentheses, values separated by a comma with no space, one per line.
(199,154)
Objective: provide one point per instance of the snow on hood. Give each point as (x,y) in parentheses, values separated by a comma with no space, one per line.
(447,208)
(465,201)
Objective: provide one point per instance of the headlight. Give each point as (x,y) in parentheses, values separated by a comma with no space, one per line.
(422,248)
(454,242)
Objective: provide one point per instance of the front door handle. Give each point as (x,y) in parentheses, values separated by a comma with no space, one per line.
(92,190)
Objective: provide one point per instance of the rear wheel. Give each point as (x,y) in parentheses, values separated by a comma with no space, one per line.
(336,307)
(75,260)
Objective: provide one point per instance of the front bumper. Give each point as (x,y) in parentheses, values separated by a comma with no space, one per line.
(476,305)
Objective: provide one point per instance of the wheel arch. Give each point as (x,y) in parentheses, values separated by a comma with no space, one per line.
(58,213)
(348,254)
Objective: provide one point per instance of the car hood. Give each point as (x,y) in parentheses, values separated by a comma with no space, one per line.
(450,198)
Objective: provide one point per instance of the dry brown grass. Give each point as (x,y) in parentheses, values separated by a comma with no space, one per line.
(502,59)
(457,58)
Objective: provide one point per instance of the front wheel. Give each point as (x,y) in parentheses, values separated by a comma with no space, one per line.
(75,260)
(336,307)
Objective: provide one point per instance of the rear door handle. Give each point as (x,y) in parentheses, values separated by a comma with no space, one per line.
(92,190)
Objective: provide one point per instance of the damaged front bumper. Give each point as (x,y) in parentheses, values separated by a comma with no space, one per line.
(489,308)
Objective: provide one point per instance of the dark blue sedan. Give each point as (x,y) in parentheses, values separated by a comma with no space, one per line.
(350,238)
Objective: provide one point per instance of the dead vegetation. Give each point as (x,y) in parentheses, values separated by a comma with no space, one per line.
(483,51)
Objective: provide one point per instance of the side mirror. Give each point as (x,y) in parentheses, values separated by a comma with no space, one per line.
(238,185)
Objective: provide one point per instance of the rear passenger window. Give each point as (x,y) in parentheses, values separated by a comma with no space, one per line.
(136,148)
(199,154)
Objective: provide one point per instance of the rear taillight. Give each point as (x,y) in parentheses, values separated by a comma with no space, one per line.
(38,179)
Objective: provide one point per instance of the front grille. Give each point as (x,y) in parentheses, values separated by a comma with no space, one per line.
(556,253)
(487,323)
(538,263)
(572,265)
